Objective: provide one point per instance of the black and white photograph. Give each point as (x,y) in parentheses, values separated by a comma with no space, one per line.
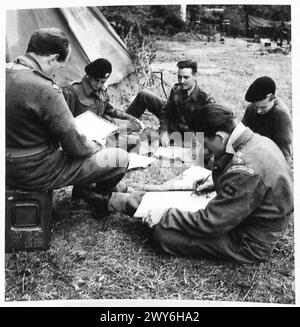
(149,154)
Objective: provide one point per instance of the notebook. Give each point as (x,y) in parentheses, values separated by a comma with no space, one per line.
(95,127)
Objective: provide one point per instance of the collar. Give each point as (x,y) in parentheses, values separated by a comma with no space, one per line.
(31,63)
(28,61)
(195,92)
(239,136)
(191,94)
(88,90)
(35,62)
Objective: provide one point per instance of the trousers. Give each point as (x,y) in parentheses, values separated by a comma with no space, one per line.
(224,246)
(145,100)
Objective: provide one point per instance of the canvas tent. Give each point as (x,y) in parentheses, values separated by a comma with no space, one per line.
(90,35)
(268,28)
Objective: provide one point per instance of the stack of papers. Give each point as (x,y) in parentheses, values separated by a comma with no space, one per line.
(174,153)
(182,200)
(139,161)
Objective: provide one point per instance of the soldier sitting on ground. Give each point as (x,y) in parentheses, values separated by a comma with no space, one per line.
(254,198)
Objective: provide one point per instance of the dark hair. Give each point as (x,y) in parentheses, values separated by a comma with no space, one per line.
(47,41)
(212,118)
(188,64)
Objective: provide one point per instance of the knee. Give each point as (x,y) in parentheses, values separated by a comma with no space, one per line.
(159,238)
(145,94)
(113,157)
(122,158)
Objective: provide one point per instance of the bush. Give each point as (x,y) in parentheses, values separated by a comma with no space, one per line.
(143,51)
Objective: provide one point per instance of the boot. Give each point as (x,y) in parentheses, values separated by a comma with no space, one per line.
(121,187)
(79,191)
(105,203)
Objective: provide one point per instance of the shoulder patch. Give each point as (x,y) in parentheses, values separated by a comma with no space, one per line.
(241,168)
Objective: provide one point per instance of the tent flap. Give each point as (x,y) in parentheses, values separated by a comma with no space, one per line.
(89,33)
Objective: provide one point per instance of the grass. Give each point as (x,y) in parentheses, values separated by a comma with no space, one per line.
(114,258)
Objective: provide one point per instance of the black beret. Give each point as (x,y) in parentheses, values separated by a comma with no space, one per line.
(99,68)
(260,88)
(210,118)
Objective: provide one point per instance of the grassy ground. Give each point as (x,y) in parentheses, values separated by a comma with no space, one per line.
(114,258)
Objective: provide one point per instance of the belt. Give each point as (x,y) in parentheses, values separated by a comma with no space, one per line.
(25,152)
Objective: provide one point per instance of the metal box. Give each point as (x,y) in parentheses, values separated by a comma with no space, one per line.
(28,217)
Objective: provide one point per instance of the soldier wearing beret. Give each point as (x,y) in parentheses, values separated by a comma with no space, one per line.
(254,198)
(268,115)
(44,150)
(91,94)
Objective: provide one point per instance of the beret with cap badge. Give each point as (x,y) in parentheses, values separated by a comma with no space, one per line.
(260,88)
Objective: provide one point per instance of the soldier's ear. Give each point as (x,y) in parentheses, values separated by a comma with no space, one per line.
(53,57)
(223,136)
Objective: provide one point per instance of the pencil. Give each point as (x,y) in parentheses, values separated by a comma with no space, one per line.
(204,180)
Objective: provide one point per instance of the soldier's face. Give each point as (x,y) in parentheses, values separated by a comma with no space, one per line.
(186,78)
(97,83)
(215,144)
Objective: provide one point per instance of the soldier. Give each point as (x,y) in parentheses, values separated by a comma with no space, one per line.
(268,115)
(254,198)
(91,94)
(185,97)
(44,149)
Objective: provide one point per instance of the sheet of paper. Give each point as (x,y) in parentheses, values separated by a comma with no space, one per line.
(146,148)
(138,161)
(95,127)
(174,152)
(182,200)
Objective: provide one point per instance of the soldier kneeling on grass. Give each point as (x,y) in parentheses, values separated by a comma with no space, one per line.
(254,198)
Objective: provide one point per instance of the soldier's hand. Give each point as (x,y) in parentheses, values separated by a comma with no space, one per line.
(164,139)
(101,143)
(140,123)
(201,185)
(153,217)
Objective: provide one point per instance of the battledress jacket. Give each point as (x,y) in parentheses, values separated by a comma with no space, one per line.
(275,124)
(81,97)
(39,125)
(175,112)
(253,203)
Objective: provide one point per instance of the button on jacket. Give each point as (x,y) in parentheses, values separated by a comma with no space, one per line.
(250,211)
(275,124)
(175,113)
